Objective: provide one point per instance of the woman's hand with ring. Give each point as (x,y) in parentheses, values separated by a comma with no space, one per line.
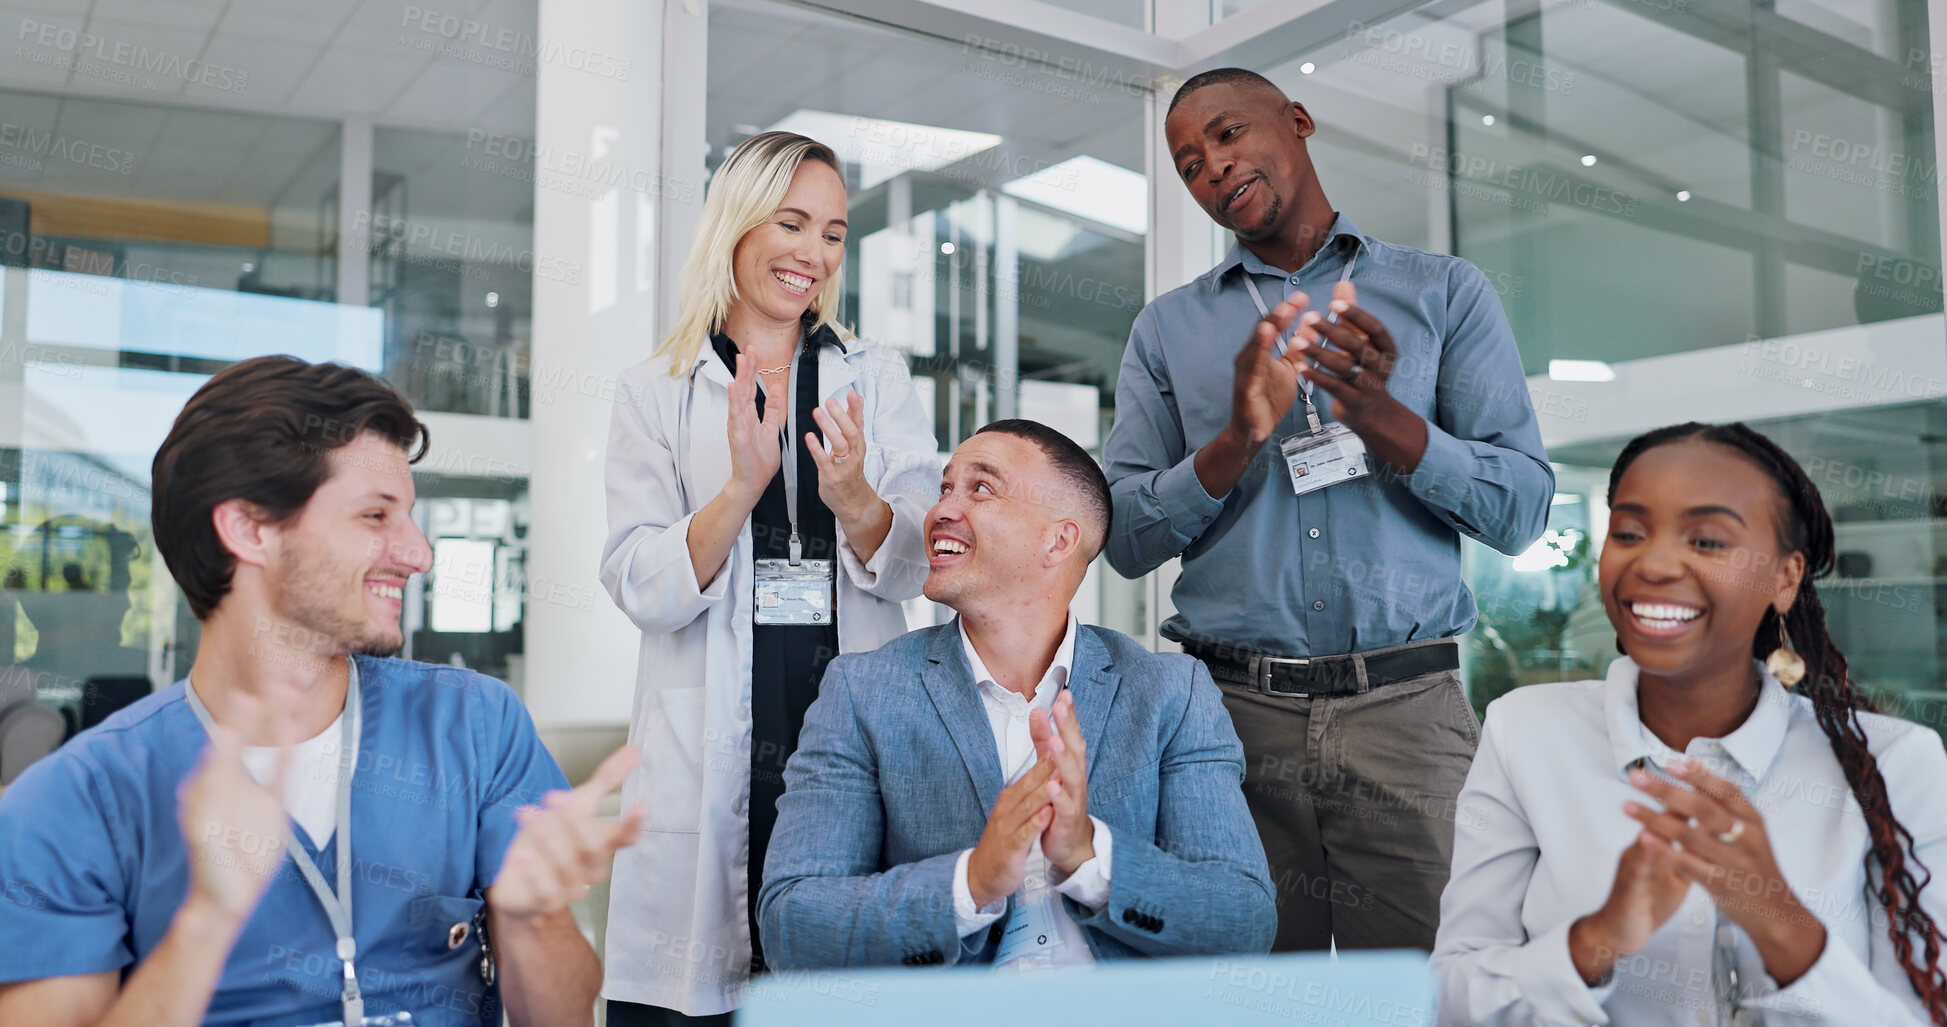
(840,457)
(1709,833)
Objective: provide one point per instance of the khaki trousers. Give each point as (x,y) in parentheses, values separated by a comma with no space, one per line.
(1354,797)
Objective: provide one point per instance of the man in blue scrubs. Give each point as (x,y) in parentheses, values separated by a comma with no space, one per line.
(302,832)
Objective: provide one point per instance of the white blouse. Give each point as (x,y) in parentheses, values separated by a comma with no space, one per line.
(1539,828)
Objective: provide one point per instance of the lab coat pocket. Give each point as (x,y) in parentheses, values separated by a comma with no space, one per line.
(676,758)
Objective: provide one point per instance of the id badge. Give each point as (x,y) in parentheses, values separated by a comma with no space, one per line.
(1333,455)
(794,595)
(1030,938)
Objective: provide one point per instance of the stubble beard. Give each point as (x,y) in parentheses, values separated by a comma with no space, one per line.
(304,598)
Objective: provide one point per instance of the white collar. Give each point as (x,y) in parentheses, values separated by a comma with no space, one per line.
(1753,744)
(1058,670)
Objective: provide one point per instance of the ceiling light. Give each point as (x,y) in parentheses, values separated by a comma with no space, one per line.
(1487,119)
(885,149)
(1588,160)
(1683,196)
(946,248)
(1307,68)
(493,299)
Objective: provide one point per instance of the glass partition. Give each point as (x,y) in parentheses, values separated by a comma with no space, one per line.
(155,229)
(170,195)
(998,216)
(1689,211)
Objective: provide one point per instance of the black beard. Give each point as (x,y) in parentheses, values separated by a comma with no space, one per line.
(1267,227)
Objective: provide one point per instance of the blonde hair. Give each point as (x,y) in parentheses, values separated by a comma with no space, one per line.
(743,194)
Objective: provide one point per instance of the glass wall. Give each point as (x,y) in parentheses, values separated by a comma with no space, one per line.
(452,265)
(998,213)
(173,199)
(1689,211)
(168,195)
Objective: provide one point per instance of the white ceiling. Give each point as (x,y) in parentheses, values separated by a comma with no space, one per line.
(329,59)
(298,60)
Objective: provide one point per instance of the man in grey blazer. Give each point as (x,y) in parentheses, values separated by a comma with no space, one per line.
(1014,788)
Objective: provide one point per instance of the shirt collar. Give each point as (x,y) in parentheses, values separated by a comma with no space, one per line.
(1342,228)
(1059,669)
(1753,745)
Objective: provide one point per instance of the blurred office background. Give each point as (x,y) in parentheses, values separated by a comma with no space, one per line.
(1712,209)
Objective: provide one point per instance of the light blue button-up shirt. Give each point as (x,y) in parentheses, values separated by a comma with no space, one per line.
(1359,565)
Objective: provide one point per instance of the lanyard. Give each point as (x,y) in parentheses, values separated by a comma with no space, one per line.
(1304,385)
(339,906)
(790,399)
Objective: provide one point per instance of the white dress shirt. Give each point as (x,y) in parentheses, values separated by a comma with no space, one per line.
(1539,828)
(1007,714)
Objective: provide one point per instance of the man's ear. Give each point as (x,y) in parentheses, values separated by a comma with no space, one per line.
(1063,538)
(1302,119)
(243,529)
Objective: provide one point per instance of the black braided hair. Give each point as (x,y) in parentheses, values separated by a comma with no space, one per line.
(1892,866)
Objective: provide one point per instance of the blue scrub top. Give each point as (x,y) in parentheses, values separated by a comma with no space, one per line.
(94,865)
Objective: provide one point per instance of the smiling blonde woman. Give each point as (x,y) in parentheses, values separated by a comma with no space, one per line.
(743,577)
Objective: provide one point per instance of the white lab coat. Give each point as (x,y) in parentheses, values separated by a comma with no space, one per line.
(678,936)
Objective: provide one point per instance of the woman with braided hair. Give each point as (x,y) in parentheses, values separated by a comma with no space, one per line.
(1721,832)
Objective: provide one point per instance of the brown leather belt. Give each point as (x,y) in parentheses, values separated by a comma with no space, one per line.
(1317,676)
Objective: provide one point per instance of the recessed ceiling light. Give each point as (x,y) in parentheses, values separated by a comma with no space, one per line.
(493,299)
(1487,119)
(1588,160)
(947,248)
(1683,196)
(1307,68)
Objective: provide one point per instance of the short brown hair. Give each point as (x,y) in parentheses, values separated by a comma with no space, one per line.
(260,431)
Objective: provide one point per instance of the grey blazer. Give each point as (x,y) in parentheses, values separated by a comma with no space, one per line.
(897,769)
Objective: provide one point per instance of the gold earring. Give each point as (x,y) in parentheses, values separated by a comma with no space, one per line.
(1783,663)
